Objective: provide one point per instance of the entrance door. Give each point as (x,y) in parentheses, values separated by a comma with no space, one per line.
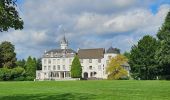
(85,75)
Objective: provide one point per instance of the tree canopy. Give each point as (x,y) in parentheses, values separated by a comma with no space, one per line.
(76,68)
(8,55)
(163,53)
(31,67)
(142,59)
(9,17)
(115,68)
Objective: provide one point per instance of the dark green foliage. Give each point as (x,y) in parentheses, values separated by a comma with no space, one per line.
(164,31)
(17,73)
(9,17)
(21,63)
(39,64)
(5,74)
(76,69)
(8,55)
(11,74)
(31,68)
(127,54)
(163,53)
(142,59)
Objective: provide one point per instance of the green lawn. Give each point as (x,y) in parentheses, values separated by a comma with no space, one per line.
(85,90)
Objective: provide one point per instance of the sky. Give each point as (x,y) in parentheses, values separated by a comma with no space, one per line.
(86,24)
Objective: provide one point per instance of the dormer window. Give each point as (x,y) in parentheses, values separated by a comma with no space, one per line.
(47,54)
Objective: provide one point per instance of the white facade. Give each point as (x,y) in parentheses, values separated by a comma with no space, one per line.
(56,64)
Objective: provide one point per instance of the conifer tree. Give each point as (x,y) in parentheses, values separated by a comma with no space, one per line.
(30,67)
(142,58)
(163,53)
(76,68)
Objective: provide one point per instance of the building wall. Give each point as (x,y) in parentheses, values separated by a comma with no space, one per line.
(54,64)
(93,67)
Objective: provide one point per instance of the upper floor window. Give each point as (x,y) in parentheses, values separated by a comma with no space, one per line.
(58,61)
(49,61)
(99,67)
(109,57)
(107,62)
(54,61)
(90,67)
(90,60)
(58,67)
(99,60)
(54,67)
(49,67)
(45,61)
(45,68)
(63,60)
(64,68)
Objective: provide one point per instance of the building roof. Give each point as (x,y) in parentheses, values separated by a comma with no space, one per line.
(113,50)
(60,53)
(96,53)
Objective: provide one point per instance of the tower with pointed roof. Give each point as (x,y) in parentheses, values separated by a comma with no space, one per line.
(64,43)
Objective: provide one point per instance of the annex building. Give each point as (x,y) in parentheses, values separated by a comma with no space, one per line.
(56,63)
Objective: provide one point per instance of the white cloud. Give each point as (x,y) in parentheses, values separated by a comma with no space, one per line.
(88,24)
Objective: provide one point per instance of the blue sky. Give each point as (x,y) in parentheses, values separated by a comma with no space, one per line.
(87,24)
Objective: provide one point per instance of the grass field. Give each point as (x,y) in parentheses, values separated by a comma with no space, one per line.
(85,90)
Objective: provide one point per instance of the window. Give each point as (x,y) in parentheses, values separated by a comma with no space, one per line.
(58,67)
(39,75)
(63,60)
(45,68)
(49,67)
(90,60)
(49,61)
(99,60)
(45,61)
(54,67)
(90,67)
(54,61)
(64,67)
(109,57)
(107,62)
(99,67)
(58,61)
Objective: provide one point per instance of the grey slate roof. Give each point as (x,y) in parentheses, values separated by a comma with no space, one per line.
(113,50)
(96,53)
(59,53)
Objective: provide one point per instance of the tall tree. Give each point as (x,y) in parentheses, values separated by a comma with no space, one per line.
(76,68)
(9,17)
(21,63)
(115,69)
(8,55)
(30,67)
(39,64)
(142,59)
(163,53)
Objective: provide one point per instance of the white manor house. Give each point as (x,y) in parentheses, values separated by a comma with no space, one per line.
(56,63)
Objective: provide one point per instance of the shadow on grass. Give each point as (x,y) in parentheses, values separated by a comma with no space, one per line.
(65,96)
